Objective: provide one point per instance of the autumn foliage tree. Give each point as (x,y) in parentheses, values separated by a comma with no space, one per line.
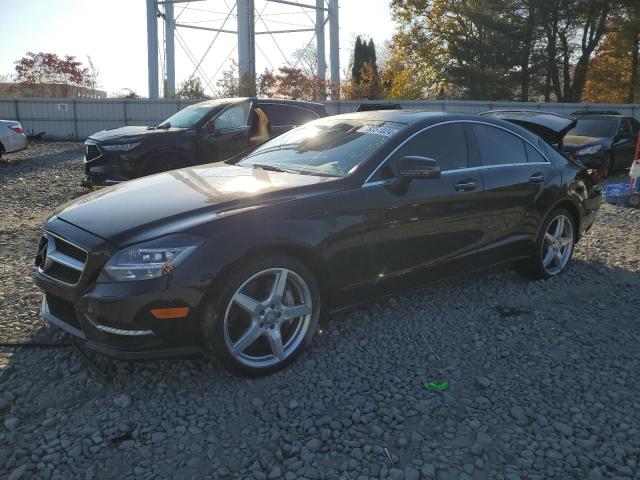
(613,72)
(39,69)
(292,83)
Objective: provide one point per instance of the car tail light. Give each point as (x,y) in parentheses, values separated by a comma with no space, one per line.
(16,128)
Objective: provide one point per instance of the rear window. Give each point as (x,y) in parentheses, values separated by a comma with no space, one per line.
(595,127)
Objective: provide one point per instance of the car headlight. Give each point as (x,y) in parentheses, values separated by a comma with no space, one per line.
(149,260)
(120,147)
(589,150)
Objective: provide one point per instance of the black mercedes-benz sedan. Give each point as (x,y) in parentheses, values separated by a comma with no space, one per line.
(206,132)
(240,259)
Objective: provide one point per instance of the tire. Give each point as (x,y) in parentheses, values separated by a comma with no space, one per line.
(552,253)
(633,200)
(251,314)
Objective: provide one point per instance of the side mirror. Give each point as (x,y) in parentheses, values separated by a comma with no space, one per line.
(418,167)
(210,127)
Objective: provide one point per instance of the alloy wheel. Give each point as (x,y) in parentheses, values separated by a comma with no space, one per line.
(557,245)
(268,317)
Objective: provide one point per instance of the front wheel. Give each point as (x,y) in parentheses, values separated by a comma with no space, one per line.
(554,247)
(265,315)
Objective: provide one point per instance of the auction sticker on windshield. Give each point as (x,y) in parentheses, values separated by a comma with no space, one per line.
(377,130)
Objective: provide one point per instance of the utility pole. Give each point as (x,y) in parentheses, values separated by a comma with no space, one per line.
(246,48)
(334,40)
(322,60)
(169,26)
(152,49)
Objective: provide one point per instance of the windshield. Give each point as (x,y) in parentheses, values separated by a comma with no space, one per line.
(189,116)
(329,146)
(595,127)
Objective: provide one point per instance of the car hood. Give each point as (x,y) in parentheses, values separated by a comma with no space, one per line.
(551,127)
(575,141)
(126,133)
(180,199)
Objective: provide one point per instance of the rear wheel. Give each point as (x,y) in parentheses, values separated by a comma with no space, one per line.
(265,315)
(554,247)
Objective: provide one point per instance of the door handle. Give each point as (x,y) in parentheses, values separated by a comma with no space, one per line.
(465,186)
(536,178)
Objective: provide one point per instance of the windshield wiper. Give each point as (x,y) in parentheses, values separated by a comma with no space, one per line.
(272,168)
(165,126)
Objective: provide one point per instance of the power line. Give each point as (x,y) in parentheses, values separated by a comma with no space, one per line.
(214,38)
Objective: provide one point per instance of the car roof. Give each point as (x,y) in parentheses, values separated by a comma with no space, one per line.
(599,115)
(408,116)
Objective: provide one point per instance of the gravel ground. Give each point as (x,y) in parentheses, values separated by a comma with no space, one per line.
(544,377)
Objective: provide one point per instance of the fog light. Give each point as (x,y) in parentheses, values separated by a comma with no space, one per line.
(164,313)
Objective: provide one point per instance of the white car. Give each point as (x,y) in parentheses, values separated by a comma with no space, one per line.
(11,137)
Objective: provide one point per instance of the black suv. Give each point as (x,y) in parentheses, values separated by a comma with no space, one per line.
(602,139)
(206,132)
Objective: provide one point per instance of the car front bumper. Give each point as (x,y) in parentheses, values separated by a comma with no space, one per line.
(104,168)
(116,318)
(133,340)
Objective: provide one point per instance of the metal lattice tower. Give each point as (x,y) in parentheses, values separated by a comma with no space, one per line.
(326,12)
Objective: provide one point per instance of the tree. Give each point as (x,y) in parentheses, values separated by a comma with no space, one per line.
(266,83)
(191,88)
(613,72)
(364,82)
(38,69)
(568,60)
(294,84)
(229,84)
(501,49)
(306,59)
(359,57)
(126,93)
(92,75)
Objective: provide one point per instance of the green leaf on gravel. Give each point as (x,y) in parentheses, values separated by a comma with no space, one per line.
(437,387)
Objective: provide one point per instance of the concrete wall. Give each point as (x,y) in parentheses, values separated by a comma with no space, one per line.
(78,118)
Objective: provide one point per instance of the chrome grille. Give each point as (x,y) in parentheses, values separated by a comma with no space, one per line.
(60,260)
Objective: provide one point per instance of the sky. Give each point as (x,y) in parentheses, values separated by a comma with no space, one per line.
(113,33)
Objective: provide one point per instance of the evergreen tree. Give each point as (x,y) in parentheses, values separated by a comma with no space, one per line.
(359,58)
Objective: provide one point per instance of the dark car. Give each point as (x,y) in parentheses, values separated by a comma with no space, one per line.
(206,132)
(240,258)
(604,141)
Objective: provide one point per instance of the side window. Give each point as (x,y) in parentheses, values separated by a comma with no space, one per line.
(635,126)
(278,115)
(533,155)
(445,143)
(233,117)
(498,147)
(286,115)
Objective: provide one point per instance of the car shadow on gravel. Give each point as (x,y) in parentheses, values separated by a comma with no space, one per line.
(42,162)
(522,360)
